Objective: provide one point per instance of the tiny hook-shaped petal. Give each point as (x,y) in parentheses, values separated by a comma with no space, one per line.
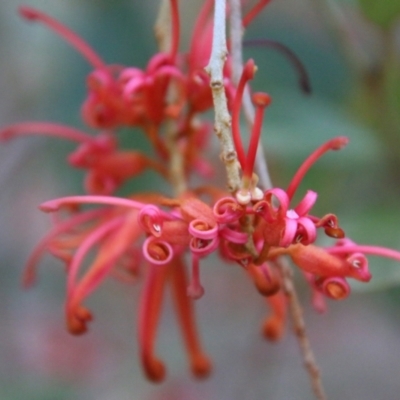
(151,220)
(359,264)
(335,288)
(157,252)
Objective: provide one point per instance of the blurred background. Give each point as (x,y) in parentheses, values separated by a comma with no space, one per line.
(351,51)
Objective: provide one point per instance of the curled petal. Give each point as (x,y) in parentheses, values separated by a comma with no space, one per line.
(132,87)
(99,80)
(330,224)
(201,247)
(335,288)
(306,203)
(282,198)
(156,62)
(130,73)
(170,72)
(233,236)
(264,209)
(202,230)
(359,264)
(227,209)
(157,252)
(151,220)
(306,231)
(290,233)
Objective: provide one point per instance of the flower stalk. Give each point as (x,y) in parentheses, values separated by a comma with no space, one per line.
(222,124)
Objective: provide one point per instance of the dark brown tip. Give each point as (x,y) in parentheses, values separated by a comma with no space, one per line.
(303,79)
(336,233)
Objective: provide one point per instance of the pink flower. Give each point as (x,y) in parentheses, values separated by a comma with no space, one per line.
(116,230)
(117,95)
(283,225)
(107,167)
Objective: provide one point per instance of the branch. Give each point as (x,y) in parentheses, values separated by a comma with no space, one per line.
(162,27)
(163,32)
(299,328)
(222,123)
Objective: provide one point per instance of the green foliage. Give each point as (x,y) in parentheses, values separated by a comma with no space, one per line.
(382,12)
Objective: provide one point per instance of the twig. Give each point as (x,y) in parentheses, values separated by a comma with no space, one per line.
(163,32)
(162,27)
(236,35)
(222,124)
(299,328)
(176,161)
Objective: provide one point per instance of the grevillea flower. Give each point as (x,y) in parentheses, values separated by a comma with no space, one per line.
(163,236)
(116,230)
(280,224)
(163,240)
(107,167)
(327,271)
(118,95)
(344,260)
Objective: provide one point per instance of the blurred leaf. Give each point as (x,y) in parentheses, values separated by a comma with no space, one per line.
(313,121)
(382,12)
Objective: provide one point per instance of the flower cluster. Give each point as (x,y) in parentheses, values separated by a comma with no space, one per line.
(160,237)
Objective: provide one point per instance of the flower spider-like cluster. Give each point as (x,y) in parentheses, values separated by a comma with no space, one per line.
(153,235)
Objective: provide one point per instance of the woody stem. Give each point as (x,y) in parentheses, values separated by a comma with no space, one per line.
(222,124)
(167,33)
(176,160)
(162,27)
(299,328)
